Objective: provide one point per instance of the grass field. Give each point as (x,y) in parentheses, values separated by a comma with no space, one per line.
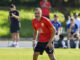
(27,53)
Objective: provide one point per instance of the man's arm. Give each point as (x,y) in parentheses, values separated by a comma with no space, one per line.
(34,35)
(34,38)
(69,30)
(15,16)
(59,31)
(76,32)
(51,39)
(44,5)
(53,34)
(8,17)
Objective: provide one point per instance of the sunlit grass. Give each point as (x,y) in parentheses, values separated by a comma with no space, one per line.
(27,54)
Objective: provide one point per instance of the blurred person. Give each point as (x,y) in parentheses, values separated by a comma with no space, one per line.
(73,32)
(77,20)
(46,31)
(14,25)
(68,20)
(58,35)
(45,5)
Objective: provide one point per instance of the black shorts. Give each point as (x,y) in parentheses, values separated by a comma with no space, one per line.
(14,29)
(41,47)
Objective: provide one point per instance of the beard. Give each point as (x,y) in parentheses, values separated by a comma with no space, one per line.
(37,17)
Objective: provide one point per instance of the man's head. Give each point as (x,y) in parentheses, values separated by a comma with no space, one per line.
(55,17)
(75,15)
(72,20)
(38,13)
(12,7)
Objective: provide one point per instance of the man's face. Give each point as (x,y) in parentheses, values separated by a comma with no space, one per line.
(12,8)
(72,21)
(75,16)
(38,14)
(56,18)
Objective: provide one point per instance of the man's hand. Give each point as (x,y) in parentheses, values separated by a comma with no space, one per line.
(72,35)
(13,15)
(50,45)
(33,44)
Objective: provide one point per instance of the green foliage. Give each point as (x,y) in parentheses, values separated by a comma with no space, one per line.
(26,16)
(4,24)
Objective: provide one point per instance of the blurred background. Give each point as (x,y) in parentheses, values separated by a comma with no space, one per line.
(62,7)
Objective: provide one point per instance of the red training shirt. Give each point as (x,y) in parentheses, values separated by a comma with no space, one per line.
(45,11)
(44,28)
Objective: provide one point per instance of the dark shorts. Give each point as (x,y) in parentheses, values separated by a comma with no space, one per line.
(61,37)
(41,47)
(14,29)
(76,36)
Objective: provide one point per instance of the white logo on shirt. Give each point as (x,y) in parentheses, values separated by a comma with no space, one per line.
(42,24)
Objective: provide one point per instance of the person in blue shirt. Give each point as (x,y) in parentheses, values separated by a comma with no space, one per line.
(57,26)
(73,31)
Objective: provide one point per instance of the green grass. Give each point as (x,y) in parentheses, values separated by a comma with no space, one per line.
(27,53)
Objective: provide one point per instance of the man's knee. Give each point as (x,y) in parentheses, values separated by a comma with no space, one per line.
(36,53)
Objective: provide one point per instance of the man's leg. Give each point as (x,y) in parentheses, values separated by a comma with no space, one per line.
(14,39)
(68,41)
(61,37)
(17,39)
(63,44)
(35,55)
(77,41)
(51,56)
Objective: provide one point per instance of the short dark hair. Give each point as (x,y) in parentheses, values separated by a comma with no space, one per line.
(72,18)
(75,14)
(12,6)
(55,15)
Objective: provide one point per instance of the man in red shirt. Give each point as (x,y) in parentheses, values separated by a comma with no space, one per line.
(46,31)
(45,5)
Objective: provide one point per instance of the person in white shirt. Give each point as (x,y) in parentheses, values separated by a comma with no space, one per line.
(77,20)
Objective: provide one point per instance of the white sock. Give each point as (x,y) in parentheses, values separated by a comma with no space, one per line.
(14,43)
(63,44)
(68,43)
(17,43)
(77,44)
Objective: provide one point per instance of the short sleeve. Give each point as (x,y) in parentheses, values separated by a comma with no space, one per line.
(76,26)
(68,26)
(17,13)
(59,24)
(49,4)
